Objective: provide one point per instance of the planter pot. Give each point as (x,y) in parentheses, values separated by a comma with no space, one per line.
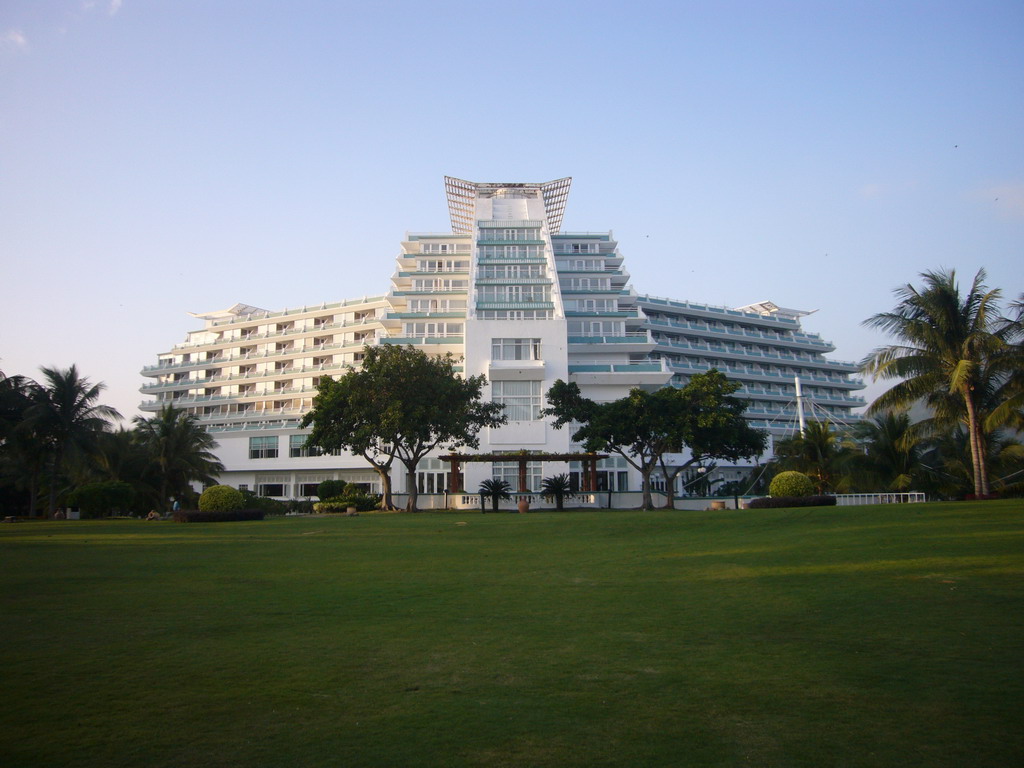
(350,510)
(524,506)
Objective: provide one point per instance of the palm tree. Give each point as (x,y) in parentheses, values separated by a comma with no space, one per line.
(947,460)
(892,451)
(22,456)
(180,450)
(821,454)
(497,489)
(948,343)
(66,417)
(119,457)
(559,487)
(1008,409)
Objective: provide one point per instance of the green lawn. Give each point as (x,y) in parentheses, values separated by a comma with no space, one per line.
(862,636)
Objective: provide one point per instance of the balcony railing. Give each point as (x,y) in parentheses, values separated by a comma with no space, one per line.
(601,366)
(711,349)
(296,311)
(696,307)
(623,338)
(803,339)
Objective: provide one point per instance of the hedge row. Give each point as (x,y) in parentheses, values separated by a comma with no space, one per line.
(773,502)
(210,516)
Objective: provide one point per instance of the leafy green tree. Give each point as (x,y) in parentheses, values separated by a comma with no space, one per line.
(557,487)
(644,426)
(496,489)
(711,425)
(401,403)
(951,355)
(67,417)
(179,452)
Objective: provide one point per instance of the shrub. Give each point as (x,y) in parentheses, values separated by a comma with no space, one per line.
(262,503)
(363,502)
(221,498)
(100,499)
(776,502)
(217,516)
(300,506)
(791,484)
(330,488)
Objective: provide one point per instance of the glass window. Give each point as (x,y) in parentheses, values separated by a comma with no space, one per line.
(509,472)
(297,447)
(520,398)
(263,447)
(515,349)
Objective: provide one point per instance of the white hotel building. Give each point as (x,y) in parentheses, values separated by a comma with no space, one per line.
(516,299)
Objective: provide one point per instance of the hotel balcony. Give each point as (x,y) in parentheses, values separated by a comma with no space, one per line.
(650,373)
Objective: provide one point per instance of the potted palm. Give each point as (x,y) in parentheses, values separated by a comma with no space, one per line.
(557,487)
(497,489)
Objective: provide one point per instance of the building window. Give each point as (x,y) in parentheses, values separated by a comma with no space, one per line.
(271,489)
(308,489)
(509,472)
(263,447)
(514,314)
(511,271)
(297,447)
(433,330)
(442,265)
(520,398)
(431,476)
(439,284)
(437,305)
(515,293)
(515,349)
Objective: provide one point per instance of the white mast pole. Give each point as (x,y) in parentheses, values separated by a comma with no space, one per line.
(799,405)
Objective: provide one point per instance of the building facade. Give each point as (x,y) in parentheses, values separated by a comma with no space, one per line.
(514,298)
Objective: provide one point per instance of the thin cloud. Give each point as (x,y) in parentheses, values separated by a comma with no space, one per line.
(875,189)
(112,6)
(871,190)
(14,40)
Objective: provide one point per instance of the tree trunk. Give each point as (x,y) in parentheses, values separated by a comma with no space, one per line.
(51,504)
(413,491)
(383,470)
(977,451)
(648,499)
(387,501)
(670,484)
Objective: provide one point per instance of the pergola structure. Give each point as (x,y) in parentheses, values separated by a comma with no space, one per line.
(589,461)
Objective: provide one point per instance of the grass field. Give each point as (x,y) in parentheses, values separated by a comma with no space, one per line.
(857,636)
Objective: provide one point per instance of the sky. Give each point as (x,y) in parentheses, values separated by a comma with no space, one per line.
(160,157)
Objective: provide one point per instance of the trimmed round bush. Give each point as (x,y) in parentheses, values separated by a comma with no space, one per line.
(221,498)
(330,488)
(791,484)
